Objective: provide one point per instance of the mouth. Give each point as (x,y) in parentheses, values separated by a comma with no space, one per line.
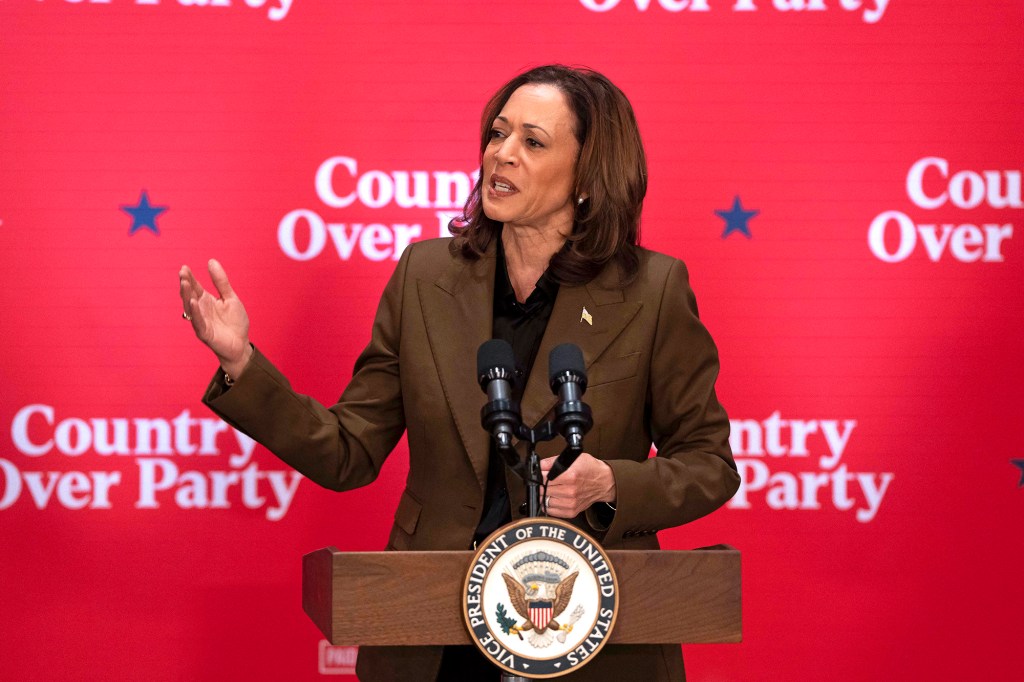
(501,187)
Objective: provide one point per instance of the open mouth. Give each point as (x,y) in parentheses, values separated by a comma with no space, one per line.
(502,186)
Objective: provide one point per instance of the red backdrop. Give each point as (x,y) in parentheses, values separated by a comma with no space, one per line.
(843,178)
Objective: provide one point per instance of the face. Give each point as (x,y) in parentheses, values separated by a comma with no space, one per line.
(529,163)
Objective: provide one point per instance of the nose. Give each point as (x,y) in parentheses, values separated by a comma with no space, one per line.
(507,152)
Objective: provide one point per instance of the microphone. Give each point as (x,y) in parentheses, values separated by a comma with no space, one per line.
(568,378)
(496,372)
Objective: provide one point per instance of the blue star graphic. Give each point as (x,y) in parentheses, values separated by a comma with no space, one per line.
(144,215)
(1019,463)
(736,219)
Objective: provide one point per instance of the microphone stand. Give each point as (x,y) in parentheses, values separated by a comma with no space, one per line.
(530,473)
(505,411)
(532,477)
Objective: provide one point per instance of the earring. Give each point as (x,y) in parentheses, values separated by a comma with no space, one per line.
(580,200)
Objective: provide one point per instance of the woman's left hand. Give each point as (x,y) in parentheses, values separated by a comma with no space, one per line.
(587,481)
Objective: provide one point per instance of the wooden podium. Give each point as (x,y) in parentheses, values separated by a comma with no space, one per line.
(414,598)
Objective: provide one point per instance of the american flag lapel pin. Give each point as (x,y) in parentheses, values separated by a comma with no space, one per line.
(587,317)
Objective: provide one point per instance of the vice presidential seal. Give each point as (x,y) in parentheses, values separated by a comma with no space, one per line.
(540,598)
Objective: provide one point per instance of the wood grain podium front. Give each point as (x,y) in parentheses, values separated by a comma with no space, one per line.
(414,598)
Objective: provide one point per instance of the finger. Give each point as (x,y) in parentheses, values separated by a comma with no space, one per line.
(189,290)
(186,276)
(201,314)
(186,294)
(565,480)
(578,463)
(556,500)
(220,279)
(561,509)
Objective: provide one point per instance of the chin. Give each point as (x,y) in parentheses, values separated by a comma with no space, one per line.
(493,212)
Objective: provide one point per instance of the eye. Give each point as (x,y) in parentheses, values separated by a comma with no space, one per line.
(533,142)
(495,134)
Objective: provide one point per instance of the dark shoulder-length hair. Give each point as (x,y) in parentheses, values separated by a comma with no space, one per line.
(611,172)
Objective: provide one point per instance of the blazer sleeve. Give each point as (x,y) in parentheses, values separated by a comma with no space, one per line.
(693,473)
(341,447)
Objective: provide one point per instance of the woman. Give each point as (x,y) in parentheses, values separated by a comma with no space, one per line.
(546,252)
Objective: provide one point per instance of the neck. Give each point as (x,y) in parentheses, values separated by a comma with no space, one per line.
(527,254)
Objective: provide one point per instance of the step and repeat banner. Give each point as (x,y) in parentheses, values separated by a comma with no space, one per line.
(842,177)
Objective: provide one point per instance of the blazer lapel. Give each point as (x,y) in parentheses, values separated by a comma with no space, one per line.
(458,311)
(601,300)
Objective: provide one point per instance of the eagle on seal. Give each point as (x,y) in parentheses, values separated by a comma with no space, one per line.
(539,595)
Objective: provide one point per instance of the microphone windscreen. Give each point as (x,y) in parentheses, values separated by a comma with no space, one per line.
(566,357)
(495,353)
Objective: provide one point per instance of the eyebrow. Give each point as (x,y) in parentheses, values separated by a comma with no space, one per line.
(526,125)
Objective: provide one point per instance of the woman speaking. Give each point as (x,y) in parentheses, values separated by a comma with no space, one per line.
(546,252)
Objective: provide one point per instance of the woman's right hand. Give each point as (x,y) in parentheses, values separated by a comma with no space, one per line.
(220,323)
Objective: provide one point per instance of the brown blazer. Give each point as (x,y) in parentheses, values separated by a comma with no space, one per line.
(651,367)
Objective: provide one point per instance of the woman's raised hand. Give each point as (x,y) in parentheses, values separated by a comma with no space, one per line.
(220,323)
